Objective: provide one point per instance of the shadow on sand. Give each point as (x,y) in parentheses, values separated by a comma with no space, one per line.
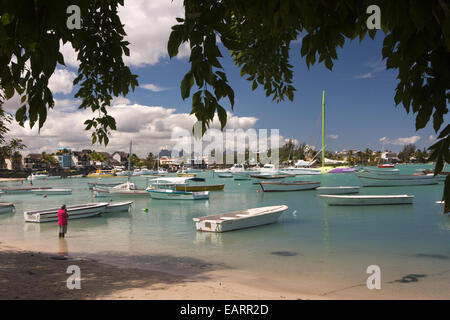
(33,275)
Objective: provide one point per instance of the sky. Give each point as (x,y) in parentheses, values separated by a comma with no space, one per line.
(359,97)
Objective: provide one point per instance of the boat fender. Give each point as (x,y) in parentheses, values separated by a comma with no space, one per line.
(45,196)
(145,210)
(257,190)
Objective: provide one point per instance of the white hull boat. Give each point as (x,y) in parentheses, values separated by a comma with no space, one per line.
(337,190)
(74,212)
(170,194)
(35,176)
(376,180)
(225,175)
(382,171)
(21,190)
(118,206)
(239,219)
(50,192)
(267,186)
(6,207)
(300,171)
(363,200)
(102,185)
(127,188)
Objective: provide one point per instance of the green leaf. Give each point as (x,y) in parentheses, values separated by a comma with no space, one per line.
(186,85)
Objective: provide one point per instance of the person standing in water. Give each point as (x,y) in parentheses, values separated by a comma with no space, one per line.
(62,221)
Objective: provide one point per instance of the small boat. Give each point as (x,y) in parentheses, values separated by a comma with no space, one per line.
(170,194)
(127,188)
(118,206)
(75,212)
(102,174)
(37,175)
(187,175)
(22,190)
(337,190)
(386,180)
(199,187)
(52,191)
(239,219)
(6,207)
(267,186)
(362,200)
(225,175)
(268,176)
(386,165)
(102,185)
(343,170)
(381,171)
(300,171)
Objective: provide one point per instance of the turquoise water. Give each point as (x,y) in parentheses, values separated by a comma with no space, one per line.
(310,239)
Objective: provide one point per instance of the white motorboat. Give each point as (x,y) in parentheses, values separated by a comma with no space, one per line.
(51,191)
(386,180)
(363,200)
(269,186)
(382,171)
(300,171)
(21,190)
(102,185)
(170,194)
(6,207)
(337,190)
(118,206)
(237,168)
(37,175)
(126,188)
(75,212)
(239,219)
(269,168)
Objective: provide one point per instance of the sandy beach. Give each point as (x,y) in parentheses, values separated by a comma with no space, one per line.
(39,275)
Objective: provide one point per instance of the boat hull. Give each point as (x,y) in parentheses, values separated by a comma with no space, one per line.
(288,186)
(118,207)
(337,190)
(375,180)
(74,212)
(50,192)
(177,195)
(6,207)
(300,171)
(339,200)
(200,187)
(239,220)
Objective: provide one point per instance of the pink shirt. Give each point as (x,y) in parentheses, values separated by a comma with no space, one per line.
(62,217)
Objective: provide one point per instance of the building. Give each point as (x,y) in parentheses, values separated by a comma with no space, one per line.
(34,161)
(121,157)
(65,160)
(389,156)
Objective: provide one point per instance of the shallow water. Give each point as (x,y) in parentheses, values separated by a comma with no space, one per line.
(311,239)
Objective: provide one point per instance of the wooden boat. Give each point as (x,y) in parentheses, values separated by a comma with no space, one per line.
(300,171)
(378,180)
(52,191)
(170,194)
(75,212)
(22,190)
(118,206)
(269,186)
(337,190)
(225,175)
(267,176)
(102,185)
(239,219)
(386,165)
(6,207)
(199,187)
(363,200)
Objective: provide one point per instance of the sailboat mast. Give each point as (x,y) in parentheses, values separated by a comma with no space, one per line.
(323,128)
(129,162)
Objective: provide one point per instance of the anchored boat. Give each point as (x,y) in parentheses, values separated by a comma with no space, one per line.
(118,206)
(6,207)
(74,212)
(363,200)
(51,191)
(239,219)
(170,194)
(102,185)
(378,180)
(22,190)
(337,190)
(268,186)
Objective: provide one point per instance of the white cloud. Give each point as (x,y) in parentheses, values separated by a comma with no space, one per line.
(153,87)
(70,55)
(333,136)
(61,81)
(148,26)
(150,128)
(400,141)
(364,76)
(431,138)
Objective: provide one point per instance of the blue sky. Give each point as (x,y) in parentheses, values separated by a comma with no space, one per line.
(360,107)
(359,98)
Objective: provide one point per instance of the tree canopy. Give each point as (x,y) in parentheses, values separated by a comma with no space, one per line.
(259,34)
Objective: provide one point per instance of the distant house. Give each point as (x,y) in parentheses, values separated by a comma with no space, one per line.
(34,161)
(80,159)
(389,156)
(120,156)
(65,160)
